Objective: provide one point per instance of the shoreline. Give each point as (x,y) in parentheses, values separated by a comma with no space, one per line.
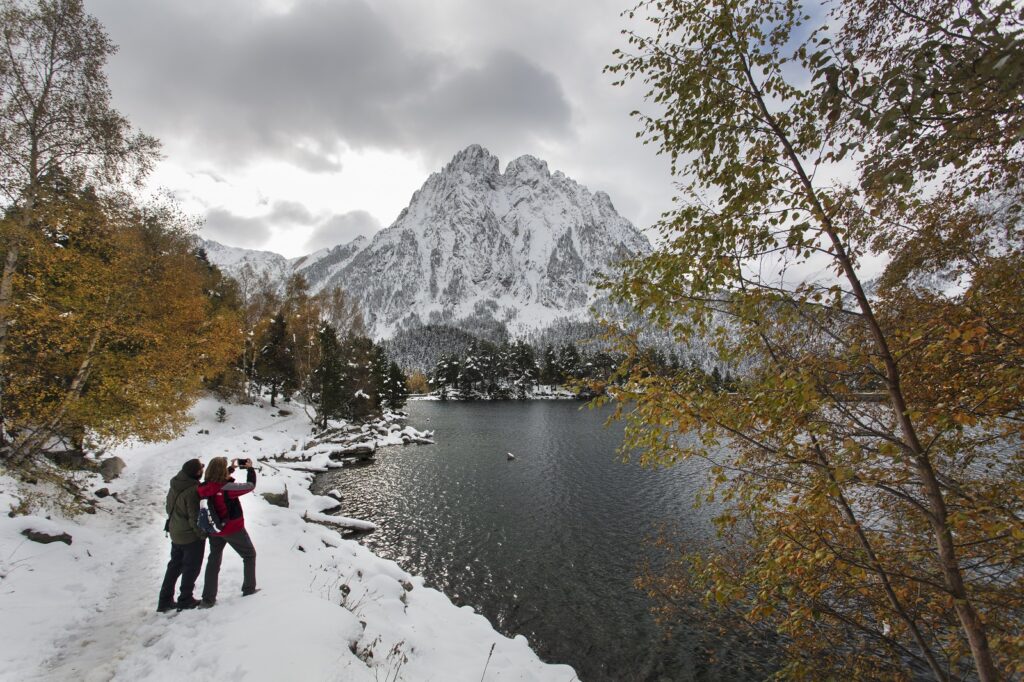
(338,608)
(539,392)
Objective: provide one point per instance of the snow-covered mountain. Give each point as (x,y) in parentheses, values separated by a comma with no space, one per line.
(232,260)
(521,247)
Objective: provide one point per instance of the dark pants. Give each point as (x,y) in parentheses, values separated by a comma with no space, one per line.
(239,542)
(186,560)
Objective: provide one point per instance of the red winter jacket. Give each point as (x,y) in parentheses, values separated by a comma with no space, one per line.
(230,508)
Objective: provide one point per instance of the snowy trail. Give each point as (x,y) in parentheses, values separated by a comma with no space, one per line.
(329,609)
(124,620)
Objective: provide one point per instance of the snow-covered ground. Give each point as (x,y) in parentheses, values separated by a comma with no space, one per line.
(328,608)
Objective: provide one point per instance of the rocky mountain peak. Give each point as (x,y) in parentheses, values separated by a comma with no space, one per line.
(474,160)
(527,165)
(520,249)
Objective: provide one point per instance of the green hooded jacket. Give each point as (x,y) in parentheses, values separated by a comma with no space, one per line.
(183,510)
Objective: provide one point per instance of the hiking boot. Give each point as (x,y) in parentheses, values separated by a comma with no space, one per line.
(164,608)
(246,593)
(189,603)
(204,604)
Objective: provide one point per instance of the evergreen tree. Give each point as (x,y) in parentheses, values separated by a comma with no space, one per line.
(327,392)
(551,373)
(446,375)
(396,391)
(602,365)
(358,378)
(523,370)
(673,362)
(379,372)
(275,363)
(491,362)
(569,362)
(729,382)
(471,374)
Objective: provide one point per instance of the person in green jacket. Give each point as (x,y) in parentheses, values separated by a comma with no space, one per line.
(188,542)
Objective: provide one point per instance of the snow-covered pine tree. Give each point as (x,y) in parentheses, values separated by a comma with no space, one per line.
(550,372)
(379,371)
(275,362)
(569,362)
(523,372)
(327,388)
(446,375)
(359,385)
(396,392)
(470,374)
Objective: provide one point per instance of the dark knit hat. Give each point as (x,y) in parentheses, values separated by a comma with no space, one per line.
(192,468)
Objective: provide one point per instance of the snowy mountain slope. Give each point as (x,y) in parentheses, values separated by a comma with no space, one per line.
(323,265)
(231,260)
(521,247)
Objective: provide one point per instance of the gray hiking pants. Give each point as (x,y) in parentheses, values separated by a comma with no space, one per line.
(242,544)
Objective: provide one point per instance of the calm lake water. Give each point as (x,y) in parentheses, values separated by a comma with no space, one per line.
(547,545)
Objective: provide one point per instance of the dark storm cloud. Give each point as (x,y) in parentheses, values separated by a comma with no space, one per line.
(506,93)
(237,83)
(342,228)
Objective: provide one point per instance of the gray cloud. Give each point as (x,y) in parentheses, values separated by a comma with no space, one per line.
(226,227)
(237,84)
(251,232)
(290,212)
(506,97)
(343,228)
(229,82)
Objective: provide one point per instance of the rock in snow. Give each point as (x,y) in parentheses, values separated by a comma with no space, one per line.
(277,499)
(45,538)
(111,468)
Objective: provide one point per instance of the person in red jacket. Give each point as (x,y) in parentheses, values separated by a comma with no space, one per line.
(221,491)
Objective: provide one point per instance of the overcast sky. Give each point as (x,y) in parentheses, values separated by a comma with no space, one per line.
(290,125)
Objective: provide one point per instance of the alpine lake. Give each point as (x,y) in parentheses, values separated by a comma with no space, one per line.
(548,544)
